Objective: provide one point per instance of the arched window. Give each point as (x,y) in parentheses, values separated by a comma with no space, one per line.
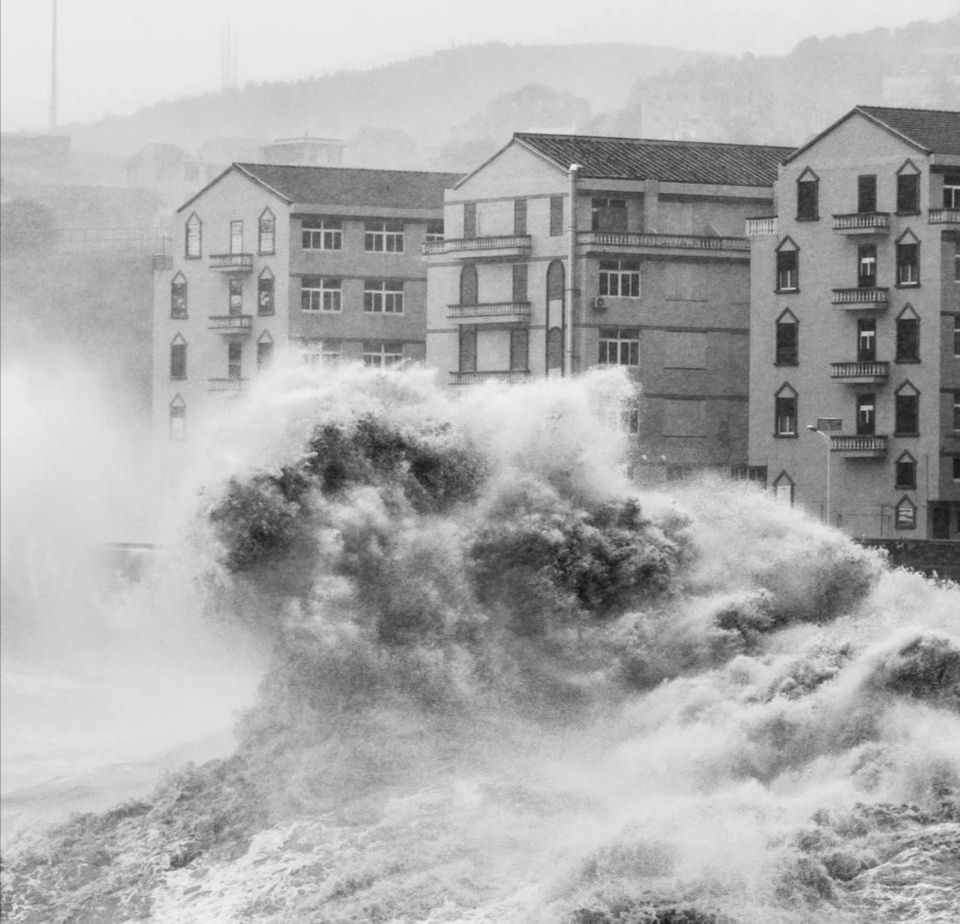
(469,285)
(178,418)
(468,348)
(905,472)
(178,357)
(905,514)
(264,350)
(908,335)
(265,293)
(555,348)
(785,411)
(193,242)
(555,298)
(788,340)
(788,266)
(178,297)
(267,232)
(907,410)
(783,489)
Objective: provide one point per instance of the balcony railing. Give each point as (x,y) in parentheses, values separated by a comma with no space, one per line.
(760,227)
(231,323)
(620,241)
(231,383)
(519,311)
(490,247)
(232,262)
(860,296)
(475,378)
(854,372)
(944,216)
(862,222)
(859,447)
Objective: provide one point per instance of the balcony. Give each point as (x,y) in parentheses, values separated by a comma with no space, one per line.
(232,262)
(870,297)
(626,242)
(944,216)
(497,247)
(490,311)
(231,384)
(761,227)
(860,373)
(475,378)
(238,325)
(862,223)
(859,447)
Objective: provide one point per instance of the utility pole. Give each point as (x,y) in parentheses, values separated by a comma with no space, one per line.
(53,69)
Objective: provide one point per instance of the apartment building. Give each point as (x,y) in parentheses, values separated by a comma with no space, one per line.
(324,260)
(563,252)
(855,326)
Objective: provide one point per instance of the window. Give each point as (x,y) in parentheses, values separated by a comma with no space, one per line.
(236,237)
(619,346)
(905,514)
(383,236)
(320,293)
(956,468)
(469,219)
(908,264)
(783,487)
(194,238)
(867,193)
(469,286)
(434,232)
(178,358)
(866,415)
(519,282)
(908,193)
(265,288)
(608,214)
(866,340)
(808,197)
(235,296)
(905,472)
(317,351)
(788,267)
(234,359)
(382,354)
(267,232)
(907,410)
(620,278)
(556,216)
(908,336)
(519,349)
(264,350)
(519,216)
(322,234)
(178,297)
(866,266)
(956,410)
(468,348)
(787,340)
(785,412)
(956,335)
(178,419)
(383,296)
(951,191)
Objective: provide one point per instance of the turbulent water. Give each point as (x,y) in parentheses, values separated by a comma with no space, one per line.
(505,684)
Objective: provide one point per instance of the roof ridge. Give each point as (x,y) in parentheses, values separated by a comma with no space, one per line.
(908,109)
(730,144)
(248,163)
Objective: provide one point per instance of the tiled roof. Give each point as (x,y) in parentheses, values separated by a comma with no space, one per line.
(936,130)
(352,186)
(667,161)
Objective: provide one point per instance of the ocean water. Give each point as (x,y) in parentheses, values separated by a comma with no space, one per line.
(495,681)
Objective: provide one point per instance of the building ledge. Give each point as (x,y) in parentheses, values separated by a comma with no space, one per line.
(491,247)
(636,242)
(490,311)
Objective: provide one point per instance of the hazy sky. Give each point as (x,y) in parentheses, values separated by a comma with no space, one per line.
(120,54)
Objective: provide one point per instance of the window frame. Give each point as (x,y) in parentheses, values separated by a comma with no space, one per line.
(266,307)
(178,358)
(264,351)
(913,281)
(193,231)
(951,191)
(267,218)
(907,316)
(904,393)
(867,257)
(235,360)
(866,426)
(616,343)
(866,340)
(182,312)
(384,235)
(321,294)
(864,197)
(610,214)
(911,205)
(905,484)
(808,179)
(784,480)
(615,273)
(782,355)
(387,358)
(787,250)
(556,216)
(786,393)
(177,411)
(325,233)
(383,296)
(520,217)
(905,503)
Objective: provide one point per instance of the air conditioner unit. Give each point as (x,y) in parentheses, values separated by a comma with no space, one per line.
(599,303)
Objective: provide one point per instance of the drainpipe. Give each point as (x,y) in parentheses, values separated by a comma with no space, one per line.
(568,304)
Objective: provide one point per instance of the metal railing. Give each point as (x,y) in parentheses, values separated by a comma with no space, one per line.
(944,216)
(859,370)
(862,221)
(860,296)
(490,310)
(627,240)
(474,378)
(873,444)
(759,227)
(234,262)
(231,323)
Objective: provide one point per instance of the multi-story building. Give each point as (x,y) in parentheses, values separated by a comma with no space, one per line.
(855,326)
(564,251)
(327,259)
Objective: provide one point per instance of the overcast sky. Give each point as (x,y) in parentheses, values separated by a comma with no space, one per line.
(117,55)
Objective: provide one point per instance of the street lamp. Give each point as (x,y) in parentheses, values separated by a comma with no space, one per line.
(826,439)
